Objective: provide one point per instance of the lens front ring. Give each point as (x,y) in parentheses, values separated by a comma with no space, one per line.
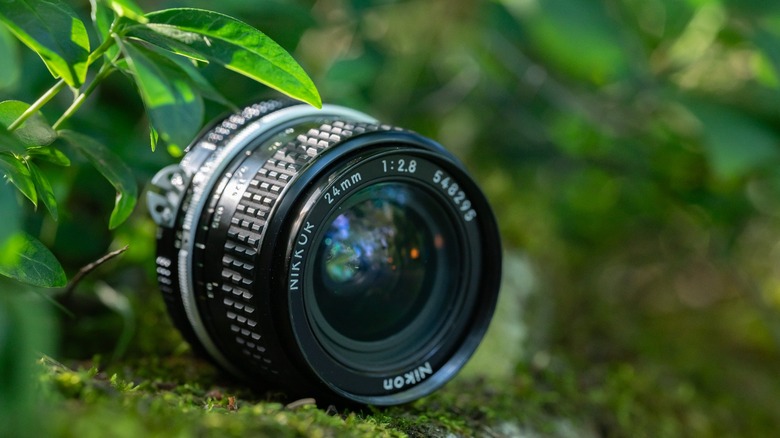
(441,357)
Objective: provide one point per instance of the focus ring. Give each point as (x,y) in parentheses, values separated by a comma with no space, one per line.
(222,133)
(246,229)
(170,240)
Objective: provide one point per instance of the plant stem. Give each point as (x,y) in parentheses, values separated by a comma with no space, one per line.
(68,292)
(43,100)
(105,70)
(37,105)
(101,49)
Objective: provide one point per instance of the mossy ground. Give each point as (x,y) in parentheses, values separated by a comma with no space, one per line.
(153,385)
(181,395)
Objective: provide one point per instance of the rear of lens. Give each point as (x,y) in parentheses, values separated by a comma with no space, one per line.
(321,252)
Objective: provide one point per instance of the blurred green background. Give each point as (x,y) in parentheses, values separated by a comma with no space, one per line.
(630,148)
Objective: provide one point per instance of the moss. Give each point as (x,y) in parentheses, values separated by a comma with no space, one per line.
(172,393)
(181,395)
(88,403)
(159,388)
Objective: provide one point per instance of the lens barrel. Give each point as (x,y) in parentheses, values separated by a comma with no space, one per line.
(324,253)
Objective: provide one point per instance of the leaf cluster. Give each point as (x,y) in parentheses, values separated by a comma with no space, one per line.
(160,52)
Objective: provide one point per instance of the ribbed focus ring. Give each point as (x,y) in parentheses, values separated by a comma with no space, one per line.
(246,228)
(238,260)
(227,128)
(198,165)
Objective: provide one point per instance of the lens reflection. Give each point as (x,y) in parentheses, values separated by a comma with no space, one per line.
(372,279)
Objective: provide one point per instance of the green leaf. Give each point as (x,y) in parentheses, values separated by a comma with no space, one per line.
(577,38)
(27,327)
(231,43)
(25,259)
(113,169)
(736,145)
(154,137)
(54,32)
(102,16)
(770,48)
(118,303)
(9,213)
(175,151)
(50,154)
(197,81)
(175,108)
(148,35)
(105,12)
(45,192)
(127,8)
(35,131)
(9,142)
(11,71)
(17,172)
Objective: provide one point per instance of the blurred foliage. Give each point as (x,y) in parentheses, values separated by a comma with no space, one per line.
(159,52)
(630,148)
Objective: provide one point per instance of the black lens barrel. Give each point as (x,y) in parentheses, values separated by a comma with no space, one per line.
(258,196)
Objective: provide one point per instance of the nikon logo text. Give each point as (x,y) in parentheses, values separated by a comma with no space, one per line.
(413,377)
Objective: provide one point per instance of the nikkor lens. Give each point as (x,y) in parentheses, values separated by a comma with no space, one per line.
(323,253)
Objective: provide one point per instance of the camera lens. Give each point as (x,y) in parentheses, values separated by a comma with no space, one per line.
(323,253)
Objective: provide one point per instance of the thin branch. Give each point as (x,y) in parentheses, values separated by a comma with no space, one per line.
(37,105)
(89,268)
(104,72)
(102,48)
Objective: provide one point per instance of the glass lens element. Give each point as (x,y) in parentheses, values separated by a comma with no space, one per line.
(378,261)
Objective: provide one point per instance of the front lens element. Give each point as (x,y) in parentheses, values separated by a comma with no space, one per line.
(371,278)
(384,274)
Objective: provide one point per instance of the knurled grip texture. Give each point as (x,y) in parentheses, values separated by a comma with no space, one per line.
(169,240)
(246,231)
